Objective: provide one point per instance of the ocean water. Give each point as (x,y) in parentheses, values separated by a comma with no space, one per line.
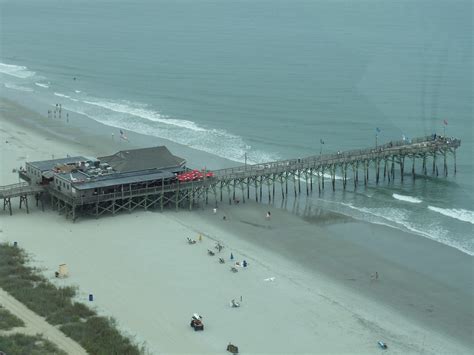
(266,78)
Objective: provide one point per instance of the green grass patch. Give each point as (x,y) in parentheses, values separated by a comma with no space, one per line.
(9,321)
(21,344)
(97,335)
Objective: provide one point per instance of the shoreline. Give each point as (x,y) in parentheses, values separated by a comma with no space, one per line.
(92,139)
(330,266)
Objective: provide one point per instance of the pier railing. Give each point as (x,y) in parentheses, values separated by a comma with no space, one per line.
(401,147)
(19,189)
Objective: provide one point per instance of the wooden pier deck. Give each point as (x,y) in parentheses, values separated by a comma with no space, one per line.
(22,190)
(240,181)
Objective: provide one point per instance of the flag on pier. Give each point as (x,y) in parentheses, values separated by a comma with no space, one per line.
(377,130)
(322,142)
(445,122)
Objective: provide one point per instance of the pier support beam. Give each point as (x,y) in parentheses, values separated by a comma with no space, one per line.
(7,202)
(24,199)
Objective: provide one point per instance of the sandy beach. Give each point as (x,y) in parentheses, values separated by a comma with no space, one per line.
(307,288)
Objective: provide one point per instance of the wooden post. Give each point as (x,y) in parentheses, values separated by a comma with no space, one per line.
(434,163)
(353,176)
(322,177)
(319,181)
(7,202)
(377,176)
(294,182)
(306,181)
(402,167)
(367,163)
(248,188)
(345,175)
(445,164)
(256,190)
(299,181)
(177,197)
(413,167)
(191,196)
(162,197)
(273,186)
(233,193)
(365,172)
(333,177)
(268,189)
(393,168)
(455,167)
(357,173)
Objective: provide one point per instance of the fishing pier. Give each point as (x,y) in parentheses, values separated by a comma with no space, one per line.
(148,178)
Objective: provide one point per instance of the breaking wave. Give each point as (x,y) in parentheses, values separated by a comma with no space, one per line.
(42,85)
(150,122)
(148,114)
(62,95)
(459,214)
(407,198)
(18,87)
(16,71)
(397,218)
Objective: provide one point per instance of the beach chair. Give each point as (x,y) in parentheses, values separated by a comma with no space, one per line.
(210,252)
(234,269)
(221,260)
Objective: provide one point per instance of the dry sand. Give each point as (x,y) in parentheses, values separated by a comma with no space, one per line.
(142,271)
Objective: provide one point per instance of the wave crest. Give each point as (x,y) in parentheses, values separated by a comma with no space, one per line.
(457,213)
(17,87)
(407,198)
(16,71)
(42,85)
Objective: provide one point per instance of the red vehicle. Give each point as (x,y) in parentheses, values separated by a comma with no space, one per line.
(194,175)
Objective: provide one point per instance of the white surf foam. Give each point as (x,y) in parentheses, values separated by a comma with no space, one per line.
(16,71)
(457,213)
(214,141)
(407,198)
(62,95)
(151,115)
(17,87)
(396,218)
(42,85)
(77,91)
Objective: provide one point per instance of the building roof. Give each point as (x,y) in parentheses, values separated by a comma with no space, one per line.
(45,165)
(143,159)
(116,179)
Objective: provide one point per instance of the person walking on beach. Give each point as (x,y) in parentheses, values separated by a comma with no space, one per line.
(268,215)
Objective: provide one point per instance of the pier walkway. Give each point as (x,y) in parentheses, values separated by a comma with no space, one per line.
(22,190)
(240,181)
